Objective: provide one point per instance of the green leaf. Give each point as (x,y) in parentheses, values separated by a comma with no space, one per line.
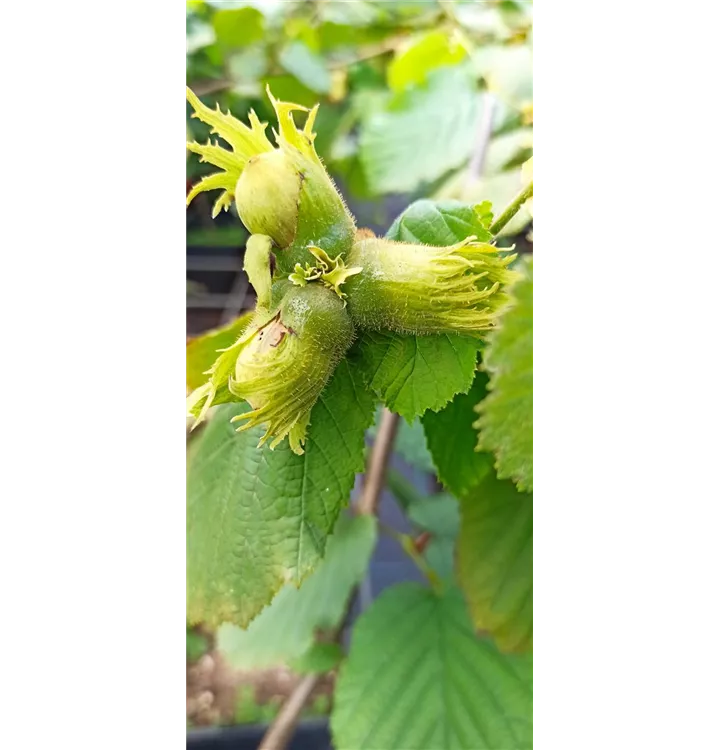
(432,50)
(202,350)
(451,438)
(422,134)
(441,223)
(495,561)
(321,657)
(411,374)
(506,414)
(285,630)
(417,677)
(238,27)
(257,518)
(307,67)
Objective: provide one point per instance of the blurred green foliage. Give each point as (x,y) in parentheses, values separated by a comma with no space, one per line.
(249,711)
(197,644)
(406,89)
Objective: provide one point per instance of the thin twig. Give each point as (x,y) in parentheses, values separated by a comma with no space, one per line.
(203,88)
(374,478)
(389,45)
(284,724)
(282,728)
(512,209)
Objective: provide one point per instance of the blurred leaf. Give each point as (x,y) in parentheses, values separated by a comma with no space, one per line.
(410,443)
(516,14)
(238,27)
(495,561)
(202,350)
(355,13)
(351,171)
(439,556)
(499,188)
(348,42)
(423,134)
(246,68)
(343,148)
(368,102)
(438,514)
(257,518)
(511,78)
(504,149)
(199,35)
(285,631)
(326,127)
(506,118)
(451,436)
(321,657)
(234,4)
(366,78)
(248,710)
(197,645)
(231,235)
(338,90)
(411,65)
(506,414)
(508,72)
(408,7)
(483,19)
(307,67)
(417,677)
(297,28)
(403,490)
(288,88)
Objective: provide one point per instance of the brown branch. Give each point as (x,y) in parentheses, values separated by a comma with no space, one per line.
(285,722)
(203,88)
(378,461)
(282,728)
(389,45)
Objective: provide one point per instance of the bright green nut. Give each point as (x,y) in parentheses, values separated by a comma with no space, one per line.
(281,363)
(427,290)
(282,192)
(282,367)
(267,197)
